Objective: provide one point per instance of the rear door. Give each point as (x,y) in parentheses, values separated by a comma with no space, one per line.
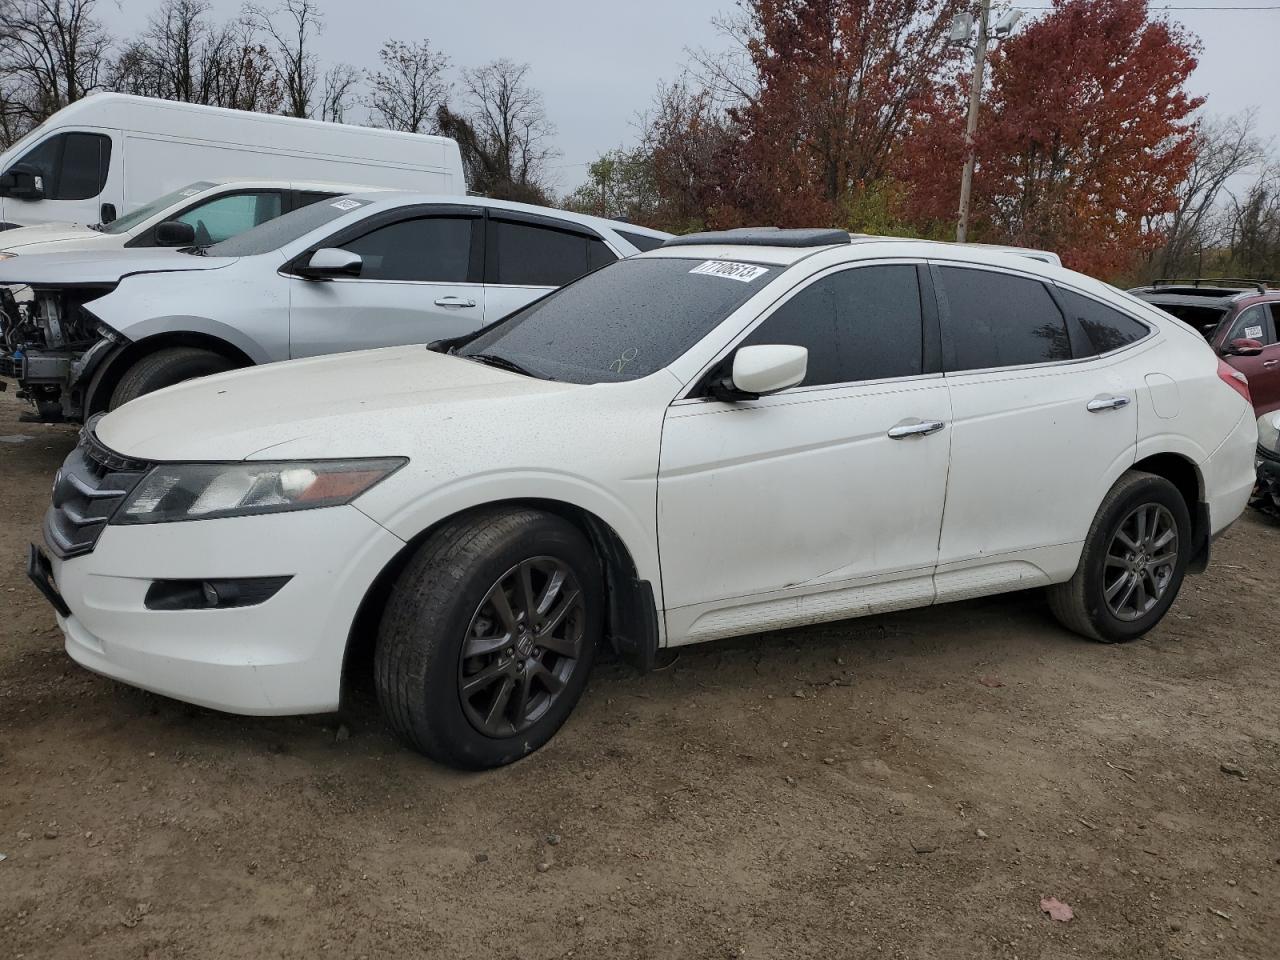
(420,281)
(1039,429)
(529,256)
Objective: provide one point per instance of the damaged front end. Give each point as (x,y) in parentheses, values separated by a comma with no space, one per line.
(51,345)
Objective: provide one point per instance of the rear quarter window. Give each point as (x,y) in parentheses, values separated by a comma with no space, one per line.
(1105,328)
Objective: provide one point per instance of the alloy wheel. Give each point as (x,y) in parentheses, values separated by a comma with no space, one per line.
(522,646)
(1140,562)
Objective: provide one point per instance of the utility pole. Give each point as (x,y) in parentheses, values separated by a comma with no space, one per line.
(971,128)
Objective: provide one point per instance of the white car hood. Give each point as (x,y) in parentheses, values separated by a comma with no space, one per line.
(50,237)
(368,403)
(100,266)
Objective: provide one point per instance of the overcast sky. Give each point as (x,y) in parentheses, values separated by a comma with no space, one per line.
(598,63)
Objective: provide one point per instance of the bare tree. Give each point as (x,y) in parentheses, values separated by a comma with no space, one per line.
(409,87)
(295,61)
(52,53)
(505,136)
(338,91)
(1225,148)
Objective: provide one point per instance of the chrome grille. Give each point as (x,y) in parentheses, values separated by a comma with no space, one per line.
(92,483)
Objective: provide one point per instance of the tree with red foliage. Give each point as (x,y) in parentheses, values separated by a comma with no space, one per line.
(1086,135)
(833,82)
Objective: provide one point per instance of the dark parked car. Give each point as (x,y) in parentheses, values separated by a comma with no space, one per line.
(1239,318)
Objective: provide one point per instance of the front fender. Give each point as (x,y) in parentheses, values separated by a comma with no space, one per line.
(632,518)
(253,318)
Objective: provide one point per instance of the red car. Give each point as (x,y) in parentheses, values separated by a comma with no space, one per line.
(1239,318)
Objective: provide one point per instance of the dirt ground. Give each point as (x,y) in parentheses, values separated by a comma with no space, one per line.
(900,786)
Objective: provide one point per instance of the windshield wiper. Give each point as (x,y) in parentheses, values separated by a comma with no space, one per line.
(503,363)
(198,251)
(97,226)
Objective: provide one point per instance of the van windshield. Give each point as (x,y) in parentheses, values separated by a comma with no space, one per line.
(147,210)
(274,234)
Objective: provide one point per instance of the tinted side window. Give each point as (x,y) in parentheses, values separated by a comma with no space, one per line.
(1253,324)
(228,215)
(859,324)
(302,198)
(532,256)
(86,158)
(640,241)
(598,255)
(999,320)
(431,249)
(1106,328)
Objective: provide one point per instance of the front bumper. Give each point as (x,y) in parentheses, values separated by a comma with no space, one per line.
(282,656)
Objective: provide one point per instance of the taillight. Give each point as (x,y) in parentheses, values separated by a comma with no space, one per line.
(1236,380)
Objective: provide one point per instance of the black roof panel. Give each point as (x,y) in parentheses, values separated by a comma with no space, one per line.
(763,237)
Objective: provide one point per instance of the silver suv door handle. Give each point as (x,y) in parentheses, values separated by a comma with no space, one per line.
(1098,404)
(919,428)
(454,302)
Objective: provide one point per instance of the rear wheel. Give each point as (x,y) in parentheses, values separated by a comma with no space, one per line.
(164,368)
(1133,563)
(489,636)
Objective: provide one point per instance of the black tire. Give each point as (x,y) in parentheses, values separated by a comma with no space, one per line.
(1080,604)
(164,368)
(433,607)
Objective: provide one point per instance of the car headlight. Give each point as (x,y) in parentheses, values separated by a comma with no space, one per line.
(204,491)
(1269,431)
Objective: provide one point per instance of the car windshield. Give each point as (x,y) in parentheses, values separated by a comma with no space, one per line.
(274,234)
(623,322)
(134,217)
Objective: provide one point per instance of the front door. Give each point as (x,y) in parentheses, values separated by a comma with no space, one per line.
(822,501)
(419,281)
(1262,323)
(76,176)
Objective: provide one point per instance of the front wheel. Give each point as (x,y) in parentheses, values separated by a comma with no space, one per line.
(164,368)
(489,636)
(1133,563)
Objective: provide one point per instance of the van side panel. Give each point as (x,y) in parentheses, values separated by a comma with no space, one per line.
(160,145)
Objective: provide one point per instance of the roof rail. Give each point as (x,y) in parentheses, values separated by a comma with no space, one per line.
(1259,285)
(764,237)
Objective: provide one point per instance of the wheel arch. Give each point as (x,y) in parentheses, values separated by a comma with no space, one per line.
(114,366)
(1183,473)
(632,620)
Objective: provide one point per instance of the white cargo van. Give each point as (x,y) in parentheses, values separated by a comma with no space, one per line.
(110,153)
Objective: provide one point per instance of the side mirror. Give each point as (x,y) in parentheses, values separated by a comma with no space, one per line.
(762,370)
(22,182)
(107,212)
(329,262)
(1244,348)
(175,233)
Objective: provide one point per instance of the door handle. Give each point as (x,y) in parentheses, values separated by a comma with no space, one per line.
(454,302)
(918,428)
(1099,404)
(1270,363)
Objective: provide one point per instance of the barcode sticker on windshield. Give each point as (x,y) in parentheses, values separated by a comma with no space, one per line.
(745,272)
(1253,333)
(346,204)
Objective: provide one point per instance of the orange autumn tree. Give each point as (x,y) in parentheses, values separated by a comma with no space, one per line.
(826,99)
(1086,133)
